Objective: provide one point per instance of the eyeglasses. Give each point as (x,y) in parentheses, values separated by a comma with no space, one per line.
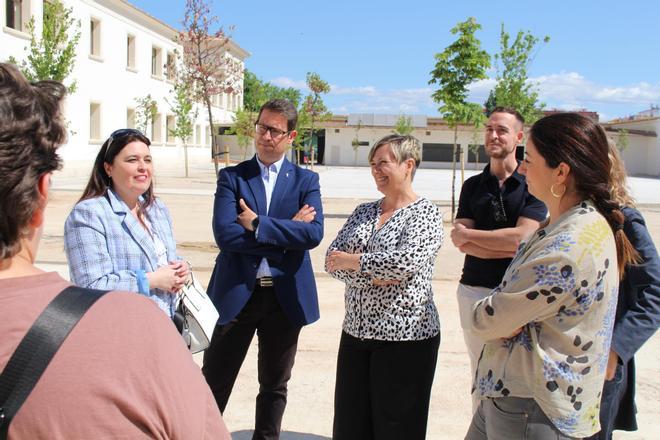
(499,213)
(275,133)
(122,132)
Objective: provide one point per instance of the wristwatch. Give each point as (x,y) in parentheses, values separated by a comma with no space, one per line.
(255,223)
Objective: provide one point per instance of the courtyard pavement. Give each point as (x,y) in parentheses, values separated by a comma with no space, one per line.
(309,411)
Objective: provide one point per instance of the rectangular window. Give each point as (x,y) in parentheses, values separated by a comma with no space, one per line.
(170,72)
(156,62)
(15,14)
(198,135)
(130,51)
(130,118)
(95,121)
(480,155)
(208,136)
(437,152)
(95,37)
(169,126)
(157,129)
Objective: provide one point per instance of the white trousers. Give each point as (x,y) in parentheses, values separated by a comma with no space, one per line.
(467,296)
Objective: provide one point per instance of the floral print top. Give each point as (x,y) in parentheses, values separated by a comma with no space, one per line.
(561,288)
(402,249)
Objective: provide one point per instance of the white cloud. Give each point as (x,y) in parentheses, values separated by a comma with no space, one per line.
(563,90)
(366,91)
(571,88)
(283,81)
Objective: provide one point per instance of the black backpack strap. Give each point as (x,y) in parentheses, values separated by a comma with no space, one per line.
(38,347)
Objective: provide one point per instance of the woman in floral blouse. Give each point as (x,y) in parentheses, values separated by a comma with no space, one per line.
(389,345)
(549,323)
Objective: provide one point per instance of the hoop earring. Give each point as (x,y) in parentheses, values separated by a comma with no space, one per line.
(552,191)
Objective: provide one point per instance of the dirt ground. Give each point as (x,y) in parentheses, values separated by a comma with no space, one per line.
(310,406)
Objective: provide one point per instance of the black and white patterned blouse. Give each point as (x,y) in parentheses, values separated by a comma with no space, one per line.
(404,249)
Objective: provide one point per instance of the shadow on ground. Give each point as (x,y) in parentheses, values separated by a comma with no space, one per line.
(284,435)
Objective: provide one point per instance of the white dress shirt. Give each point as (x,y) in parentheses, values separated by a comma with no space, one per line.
(269,176)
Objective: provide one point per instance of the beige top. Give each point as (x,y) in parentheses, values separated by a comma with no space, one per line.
(562,289)
(123,372)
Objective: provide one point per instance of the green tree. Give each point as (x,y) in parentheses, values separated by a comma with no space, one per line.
(145,112)
(52,55)
(403,125)
(244,127)
(513,88)
(257,92)
(314,110)
(490,103)
(184,111)
(205,63)
(459,65)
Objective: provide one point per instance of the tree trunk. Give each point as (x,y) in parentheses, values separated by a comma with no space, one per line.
(453,175)
(214,145)
(185,155)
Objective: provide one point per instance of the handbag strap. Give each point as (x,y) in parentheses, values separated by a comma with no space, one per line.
(37,348)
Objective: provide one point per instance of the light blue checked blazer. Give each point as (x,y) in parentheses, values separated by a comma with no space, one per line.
(108,249)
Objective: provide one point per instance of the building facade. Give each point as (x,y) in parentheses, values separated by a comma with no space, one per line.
(122,56)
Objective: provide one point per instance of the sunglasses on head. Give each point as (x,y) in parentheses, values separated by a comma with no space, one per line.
(118,134)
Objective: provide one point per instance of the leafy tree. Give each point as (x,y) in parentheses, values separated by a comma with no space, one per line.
(313,108)
(244,127)
(459,65)
(53,54)
(206,64)
(513,88)
(145,112)
(184,111)
(490,103)
(403,125)
(257,92)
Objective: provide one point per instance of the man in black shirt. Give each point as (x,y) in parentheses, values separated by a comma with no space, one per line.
(495,212)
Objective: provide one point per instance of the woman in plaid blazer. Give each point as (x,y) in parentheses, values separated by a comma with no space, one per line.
(119,236)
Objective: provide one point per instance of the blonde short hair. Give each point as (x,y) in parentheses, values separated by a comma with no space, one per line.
(403,147)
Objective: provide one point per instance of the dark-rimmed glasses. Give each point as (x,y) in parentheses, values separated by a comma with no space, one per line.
(275,133)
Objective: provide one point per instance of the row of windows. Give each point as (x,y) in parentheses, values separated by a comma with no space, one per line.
(163,63)
(442,153)
(158,131)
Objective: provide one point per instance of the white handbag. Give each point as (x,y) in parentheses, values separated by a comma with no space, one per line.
(198,314)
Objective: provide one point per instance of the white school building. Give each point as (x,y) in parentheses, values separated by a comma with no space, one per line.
(121,56)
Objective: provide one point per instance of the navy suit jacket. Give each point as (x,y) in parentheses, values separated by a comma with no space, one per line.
(638,310)
(284,242)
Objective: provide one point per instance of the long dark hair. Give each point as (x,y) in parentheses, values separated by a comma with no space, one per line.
(99,181)
(31,130)
(582,144)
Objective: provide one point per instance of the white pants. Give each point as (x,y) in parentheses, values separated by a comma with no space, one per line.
(467,296)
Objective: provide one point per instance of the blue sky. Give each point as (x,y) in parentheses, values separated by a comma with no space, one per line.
(603,56)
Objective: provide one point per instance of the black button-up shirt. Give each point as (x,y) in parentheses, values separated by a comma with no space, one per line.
(492,207)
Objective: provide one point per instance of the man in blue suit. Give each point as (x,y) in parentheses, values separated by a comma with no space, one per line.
(266,216)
